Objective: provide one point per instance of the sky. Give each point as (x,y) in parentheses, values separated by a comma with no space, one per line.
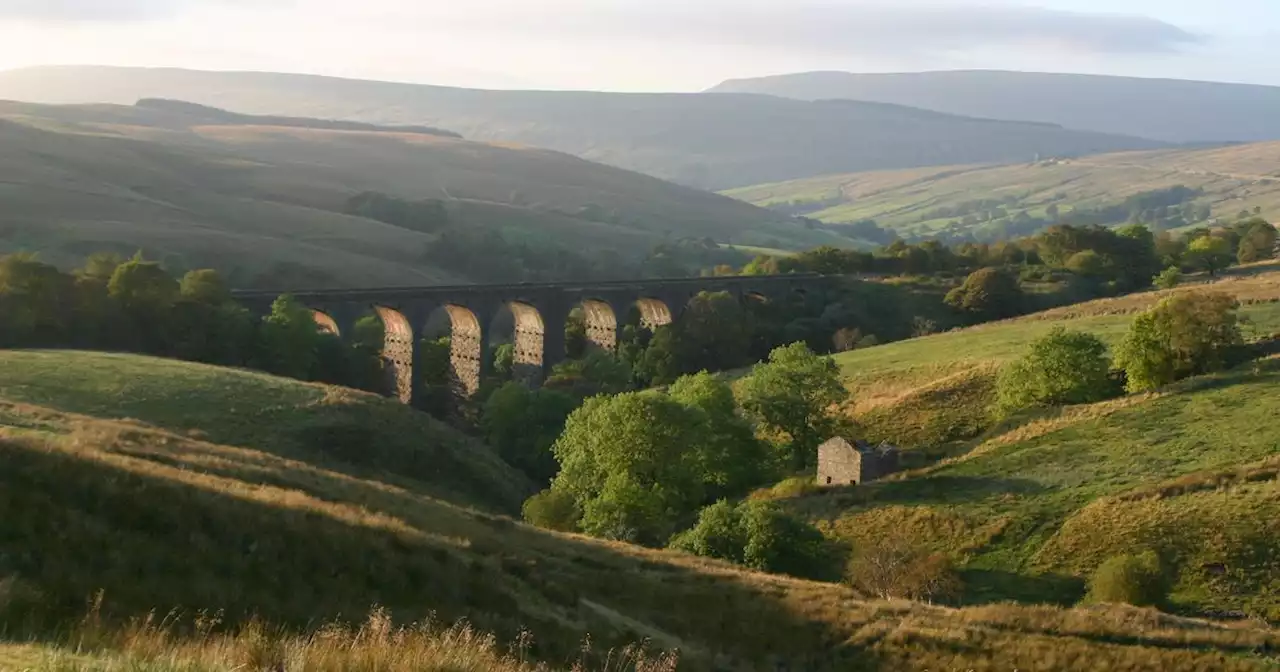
(648,45)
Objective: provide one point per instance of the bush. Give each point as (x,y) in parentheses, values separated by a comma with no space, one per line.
(552,510)
(1064,367)
(1183,335)
(1136,579)
(895,569)
(1168,279)
(759,535)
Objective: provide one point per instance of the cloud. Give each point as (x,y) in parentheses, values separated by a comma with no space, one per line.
(902,28)
(107,10)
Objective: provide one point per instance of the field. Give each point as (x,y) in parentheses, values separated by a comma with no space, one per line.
(1233,178)
(177,486)
(265,203)
(1029,506)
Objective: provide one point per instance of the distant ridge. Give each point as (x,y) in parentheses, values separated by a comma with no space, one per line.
(219,115)
(1168,110)
(700,140)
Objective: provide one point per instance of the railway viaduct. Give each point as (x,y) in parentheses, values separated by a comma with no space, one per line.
(540,311)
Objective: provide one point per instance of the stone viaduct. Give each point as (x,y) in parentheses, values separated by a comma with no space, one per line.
(540,311)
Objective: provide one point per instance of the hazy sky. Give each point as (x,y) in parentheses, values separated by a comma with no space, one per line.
(672,45)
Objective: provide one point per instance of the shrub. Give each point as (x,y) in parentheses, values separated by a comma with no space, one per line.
(1064,367)
(1183,335)
(1168,278)
(759,535)
(894,568)
(718,534)
(552,510)
(1136,579)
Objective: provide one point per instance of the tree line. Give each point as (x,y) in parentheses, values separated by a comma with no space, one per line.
(135,305)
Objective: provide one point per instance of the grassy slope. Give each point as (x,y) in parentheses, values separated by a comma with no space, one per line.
(241,517)
(1028,505)
(1234,178)
(241,193)
(710,141)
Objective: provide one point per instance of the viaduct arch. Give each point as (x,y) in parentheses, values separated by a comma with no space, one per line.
(540,310)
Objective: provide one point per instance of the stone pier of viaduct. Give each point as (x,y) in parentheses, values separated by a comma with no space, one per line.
(540,312)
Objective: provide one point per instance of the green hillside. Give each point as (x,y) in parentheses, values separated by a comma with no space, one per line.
(264,199)
(215,496)
(1030,506)
(708,141)
(957,200)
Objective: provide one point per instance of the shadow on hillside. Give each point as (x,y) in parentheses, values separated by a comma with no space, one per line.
(70,527)
(988,586)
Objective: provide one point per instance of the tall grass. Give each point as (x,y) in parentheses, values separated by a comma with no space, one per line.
(150,644)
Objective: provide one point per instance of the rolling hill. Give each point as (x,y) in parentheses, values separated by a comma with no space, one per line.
(1029,506)
(1162,109)
(927,202)
(194,504)
(266,198)
(706,141)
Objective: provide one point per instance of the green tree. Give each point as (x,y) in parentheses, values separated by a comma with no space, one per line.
(718,534)
(1063,367)
(1184,335)
(1258,242)
(759,535)
(1088,264)
(504,361)
(734,460)
(599,372)
(35,302)
(632,465)
(522,425)
(1168,279)
(204,286)
(290,341)
(145,294)
(989,293)
(714,333)
(552,510)
(791,395)
(1209,253)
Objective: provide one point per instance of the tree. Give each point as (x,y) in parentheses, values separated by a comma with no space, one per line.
(1209,253)
(1183,335)
(1063,367)
(1088,264)
(791,395)
(204,286)
(632,465)
(1168,279)
(599,372)
(1257,243)
(145,293)
(759,535)
(290,340)
(35,302)
(733,459)
(522,425)
(552,510)
(893,567)
(989,293)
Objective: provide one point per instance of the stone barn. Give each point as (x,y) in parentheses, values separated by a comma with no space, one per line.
(845,462)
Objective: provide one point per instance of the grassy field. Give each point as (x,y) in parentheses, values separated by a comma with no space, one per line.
(1029,506)
(177,486)
(256,199)
(1233,179)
